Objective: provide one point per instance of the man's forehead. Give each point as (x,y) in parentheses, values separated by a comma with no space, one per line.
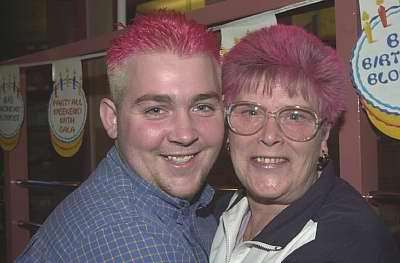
(157,56)
(169,98)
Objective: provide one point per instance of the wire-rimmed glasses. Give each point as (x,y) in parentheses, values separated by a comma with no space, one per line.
(297,123)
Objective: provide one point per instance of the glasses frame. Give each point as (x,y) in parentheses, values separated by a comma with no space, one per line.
(274,114)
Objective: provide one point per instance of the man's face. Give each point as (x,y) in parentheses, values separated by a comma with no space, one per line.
(169,126)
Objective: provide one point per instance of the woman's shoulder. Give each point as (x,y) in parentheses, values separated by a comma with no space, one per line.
(347,220)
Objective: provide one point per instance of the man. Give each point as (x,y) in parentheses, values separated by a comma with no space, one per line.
(147,200)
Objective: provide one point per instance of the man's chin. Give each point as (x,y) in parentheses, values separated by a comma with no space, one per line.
(185,192)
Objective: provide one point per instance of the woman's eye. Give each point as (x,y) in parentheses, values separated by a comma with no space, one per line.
(253,112)
(250,112)
(294,116)
(297,116)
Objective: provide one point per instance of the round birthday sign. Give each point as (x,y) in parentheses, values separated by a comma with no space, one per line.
(376,61)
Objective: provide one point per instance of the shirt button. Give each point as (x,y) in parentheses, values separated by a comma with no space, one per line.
(180,219)
(185,212)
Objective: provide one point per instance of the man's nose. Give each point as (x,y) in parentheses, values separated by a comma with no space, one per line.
(184,131)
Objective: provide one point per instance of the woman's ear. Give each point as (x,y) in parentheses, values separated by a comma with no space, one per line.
(108,116)
(325,131)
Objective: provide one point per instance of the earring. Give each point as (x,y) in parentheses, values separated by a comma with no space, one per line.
(228,145)
(322,161)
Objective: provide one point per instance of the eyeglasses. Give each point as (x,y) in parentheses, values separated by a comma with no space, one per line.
(295,122)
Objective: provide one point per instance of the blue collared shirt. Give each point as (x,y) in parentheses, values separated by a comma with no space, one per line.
(116,216)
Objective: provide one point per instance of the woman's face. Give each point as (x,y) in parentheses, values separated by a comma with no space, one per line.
(273,168)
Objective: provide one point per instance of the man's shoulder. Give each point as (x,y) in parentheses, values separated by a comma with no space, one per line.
(121,241)
(88,233)
(90,208)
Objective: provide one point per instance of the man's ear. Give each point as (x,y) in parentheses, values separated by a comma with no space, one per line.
(108,116)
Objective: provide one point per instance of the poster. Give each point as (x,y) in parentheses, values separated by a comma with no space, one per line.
(11,107)
(67,107)
(375,64)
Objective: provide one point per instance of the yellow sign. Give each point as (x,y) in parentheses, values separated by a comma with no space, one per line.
(9,143)
(322,20)
(66,149)
(388,124)
(177,5)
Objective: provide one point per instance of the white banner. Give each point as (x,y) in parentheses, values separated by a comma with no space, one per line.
(67,106)
(232,32)
(11,106)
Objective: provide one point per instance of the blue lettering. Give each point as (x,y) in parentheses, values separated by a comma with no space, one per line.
(380,78)
(384,59)
(372,80)
(395,56)
(393,75)
(383,78)
(366,63)
(392,40)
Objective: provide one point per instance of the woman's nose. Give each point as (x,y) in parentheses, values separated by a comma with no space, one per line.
(270,134)
(183,131)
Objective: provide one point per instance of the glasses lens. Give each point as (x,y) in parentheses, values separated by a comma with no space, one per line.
(298,124)
(246,119)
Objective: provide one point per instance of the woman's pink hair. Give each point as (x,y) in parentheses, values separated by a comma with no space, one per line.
(287,56)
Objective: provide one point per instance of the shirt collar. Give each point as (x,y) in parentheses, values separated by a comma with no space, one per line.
(286,225)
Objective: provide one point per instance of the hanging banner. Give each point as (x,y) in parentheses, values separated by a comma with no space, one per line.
(67,107)
(232,32)
(375,64)
(177,5)
(11,107)
(322,20)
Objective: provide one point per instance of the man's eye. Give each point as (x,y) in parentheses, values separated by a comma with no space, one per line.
(205,108)
(155,111)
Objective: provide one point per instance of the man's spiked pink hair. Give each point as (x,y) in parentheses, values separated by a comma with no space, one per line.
(160,32)
(287,56)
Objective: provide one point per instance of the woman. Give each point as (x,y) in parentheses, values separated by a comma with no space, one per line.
(284,90)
